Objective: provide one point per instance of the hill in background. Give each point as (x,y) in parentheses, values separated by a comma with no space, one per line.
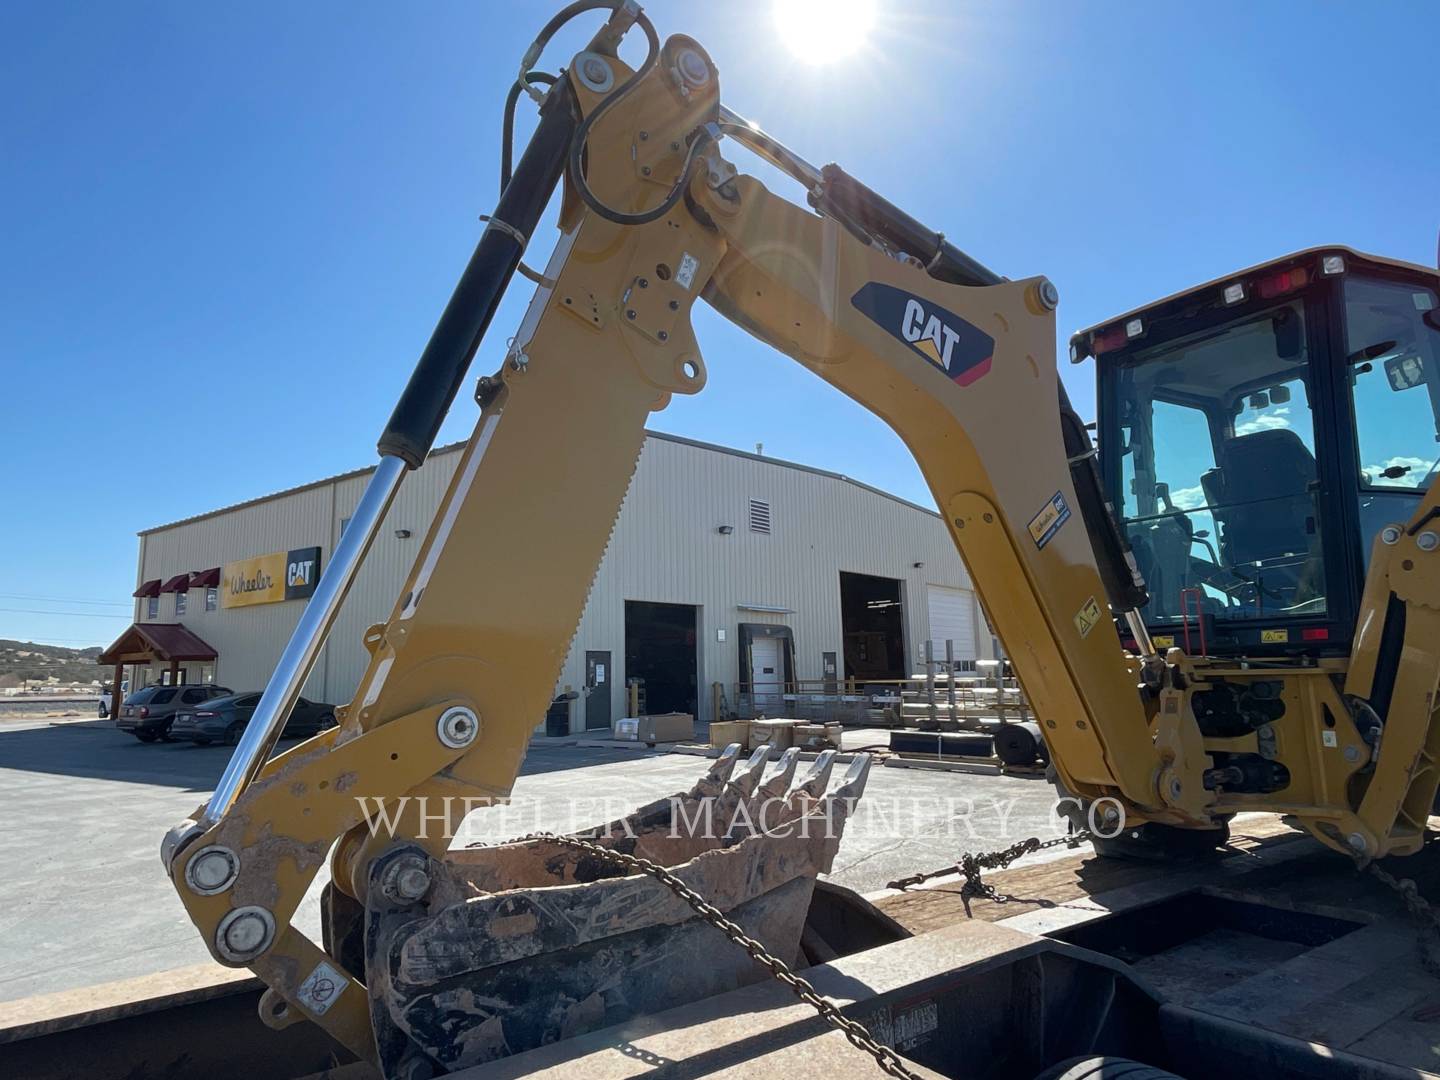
(24,660)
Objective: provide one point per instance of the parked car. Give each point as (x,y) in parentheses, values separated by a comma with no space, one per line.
(147,714)
(223,719)
(107,695)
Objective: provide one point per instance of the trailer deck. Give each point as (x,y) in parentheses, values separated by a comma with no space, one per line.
(1274,959)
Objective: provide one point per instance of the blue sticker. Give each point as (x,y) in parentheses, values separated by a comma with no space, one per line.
(1045,524)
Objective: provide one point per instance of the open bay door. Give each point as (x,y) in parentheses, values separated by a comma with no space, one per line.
(952,618)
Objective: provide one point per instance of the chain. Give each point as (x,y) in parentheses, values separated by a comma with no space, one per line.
(1423,911)
(972,866)
(857,1033)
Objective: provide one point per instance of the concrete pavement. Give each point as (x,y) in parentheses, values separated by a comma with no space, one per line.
(83,899)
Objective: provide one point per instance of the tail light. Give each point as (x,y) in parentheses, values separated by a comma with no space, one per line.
(1108,340)
(1282,283)
(144,712)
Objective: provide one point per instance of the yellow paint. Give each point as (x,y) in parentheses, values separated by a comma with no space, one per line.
(1274,637)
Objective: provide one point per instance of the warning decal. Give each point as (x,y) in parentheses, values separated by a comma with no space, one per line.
(1088,617)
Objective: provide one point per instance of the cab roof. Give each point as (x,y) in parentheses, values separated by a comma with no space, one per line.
(1082,341)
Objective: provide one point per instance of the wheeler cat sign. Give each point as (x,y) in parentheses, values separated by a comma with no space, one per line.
(269,579)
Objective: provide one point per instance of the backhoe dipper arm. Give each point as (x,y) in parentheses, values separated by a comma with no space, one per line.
(468,659)
(966,375)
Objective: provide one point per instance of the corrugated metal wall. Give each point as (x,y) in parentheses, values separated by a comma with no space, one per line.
(666,547)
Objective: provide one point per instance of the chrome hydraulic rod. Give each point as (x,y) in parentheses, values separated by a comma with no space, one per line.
(770,148)
(411,431)
(305,643)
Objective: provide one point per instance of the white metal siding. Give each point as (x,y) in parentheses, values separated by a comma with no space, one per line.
(952,618)
(666,547)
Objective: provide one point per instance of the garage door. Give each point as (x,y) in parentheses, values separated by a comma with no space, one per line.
(952,618)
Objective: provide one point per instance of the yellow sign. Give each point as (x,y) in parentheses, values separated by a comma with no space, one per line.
(260,580)
(1088,617)
(1163,641)
(1274,637)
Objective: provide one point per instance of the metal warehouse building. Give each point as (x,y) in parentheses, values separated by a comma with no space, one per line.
(724,567)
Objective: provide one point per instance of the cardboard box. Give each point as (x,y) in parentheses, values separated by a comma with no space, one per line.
(818,736)
(725,732)
(778,734)
(662,727)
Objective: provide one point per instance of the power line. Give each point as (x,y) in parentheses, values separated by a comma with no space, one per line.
(89,614)
(63,600)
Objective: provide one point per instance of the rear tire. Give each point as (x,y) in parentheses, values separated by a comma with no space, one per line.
(1104,1068)
(102,712)
(232,735)
(327,722)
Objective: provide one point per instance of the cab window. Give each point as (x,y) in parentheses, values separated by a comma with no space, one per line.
(1392,344)
(1219,491)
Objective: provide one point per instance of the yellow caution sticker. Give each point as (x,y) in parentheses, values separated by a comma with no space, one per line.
(1163,641)
(1274,637)
(1088,617)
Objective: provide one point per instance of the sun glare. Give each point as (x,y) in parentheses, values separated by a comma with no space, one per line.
(818,31)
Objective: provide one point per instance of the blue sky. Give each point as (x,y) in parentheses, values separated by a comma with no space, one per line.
(228,229)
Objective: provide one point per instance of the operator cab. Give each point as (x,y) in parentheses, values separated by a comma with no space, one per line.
(1255,435)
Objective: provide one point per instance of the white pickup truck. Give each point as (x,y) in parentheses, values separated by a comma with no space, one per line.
(106,698)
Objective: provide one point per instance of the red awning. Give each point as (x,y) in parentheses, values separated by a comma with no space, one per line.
(178,583)
(146,642)
(206,579)
(150,588)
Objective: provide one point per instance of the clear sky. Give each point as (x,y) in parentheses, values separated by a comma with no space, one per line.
(227,230)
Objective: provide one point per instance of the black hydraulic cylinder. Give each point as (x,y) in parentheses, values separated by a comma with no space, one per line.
(849,199)
(1124,585)
(441,368)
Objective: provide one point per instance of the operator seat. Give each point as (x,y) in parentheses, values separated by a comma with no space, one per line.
(1269,475)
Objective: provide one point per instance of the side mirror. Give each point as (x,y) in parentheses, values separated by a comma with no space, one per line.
(1405,372)
(1289,339)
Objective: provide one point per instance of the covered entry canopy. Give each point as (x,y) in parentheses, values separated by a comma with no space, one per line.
(148,643)
(145,643)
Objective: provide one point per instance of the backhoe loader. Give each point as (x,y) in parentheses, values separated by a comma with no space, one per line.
(1232,608)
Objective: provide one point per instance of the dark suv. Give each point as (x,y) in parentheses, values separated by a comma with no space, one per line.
(147,713)
(223,719)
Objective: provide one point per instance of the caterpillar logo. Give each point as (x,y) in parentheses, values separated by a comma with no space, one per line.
(962,351)
(300,574)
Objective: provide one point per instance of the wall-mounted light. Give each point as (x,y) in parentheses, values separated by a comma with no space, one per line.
(402,534)
(725,530)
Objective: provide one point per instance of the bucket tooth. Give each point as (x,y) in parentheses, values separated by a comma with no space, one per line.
(853,786)
(779,781)
(713,782)
(813,784)
(743,786)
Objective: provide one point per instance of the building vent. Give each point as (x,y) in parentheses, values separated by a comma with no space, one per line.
(759,516)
